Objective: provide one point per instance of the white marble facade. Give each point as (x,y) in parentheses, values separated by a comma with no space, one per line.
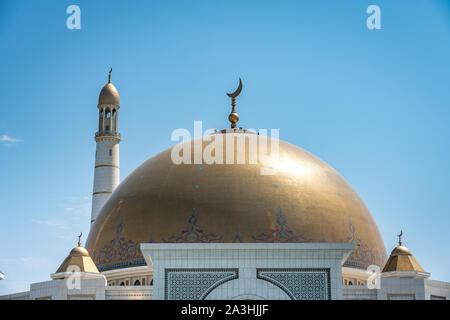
(412,288)
(238,271)
(58,289)
(279,271)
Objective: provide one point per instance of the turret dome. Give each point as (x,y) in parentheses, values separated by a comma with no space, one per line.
(109,95)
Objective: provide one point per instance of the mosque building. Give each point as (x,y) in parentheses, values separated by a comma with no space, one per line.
(287,228)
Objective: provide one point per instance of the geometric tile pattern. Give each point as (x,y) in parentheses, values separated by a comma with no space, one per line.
(299,284)
(195,284)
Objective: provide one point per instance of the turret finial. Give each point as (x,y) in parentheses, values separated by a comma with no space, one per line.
(109,76)
(400,238)
(234,117)
(79,239)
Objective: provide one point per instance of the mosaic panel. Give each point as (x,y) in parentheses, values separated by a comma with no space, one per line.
(299,284)
(195,284)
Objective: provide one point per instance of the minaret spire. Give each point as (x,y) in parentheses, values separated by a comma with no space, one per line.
(107,138)
(234,116)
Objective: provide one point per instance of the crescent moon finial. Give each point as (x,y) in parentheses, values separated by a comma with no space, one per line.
(79,239)
(234,117)
(237,92)
(400,238)
(109,75)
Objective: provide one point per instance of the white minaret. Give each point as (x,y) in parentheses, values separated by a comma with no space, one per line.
(107,171)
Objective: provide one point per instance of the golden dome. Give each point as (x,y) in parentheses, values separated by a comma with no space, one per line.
(80,258)
(401,259)
(401,250)
(109,95)
(79,251)
(304,201)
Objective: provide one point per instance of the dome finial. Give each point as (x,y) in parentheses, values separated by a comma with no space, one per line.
(400,238)
(109,75)
(234,117)
(79,239)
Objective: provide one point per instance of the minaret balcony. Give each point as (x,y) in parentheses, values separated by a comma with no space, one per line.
(107,133)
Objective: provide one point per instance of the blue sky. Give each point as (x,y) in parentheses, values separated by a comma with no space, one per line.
(374,104)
